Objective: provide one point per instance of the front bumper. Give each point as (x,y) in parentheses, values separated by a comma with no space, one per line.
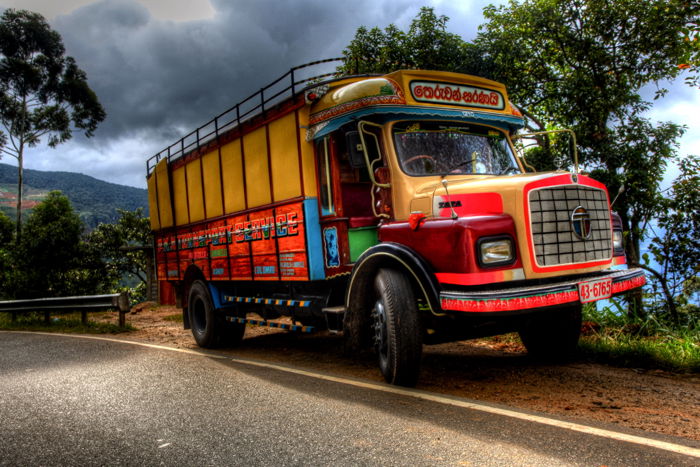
(537,296)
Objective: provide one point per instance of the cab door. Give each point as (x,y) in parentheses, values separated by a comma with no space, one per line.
(334,234)
(348,223)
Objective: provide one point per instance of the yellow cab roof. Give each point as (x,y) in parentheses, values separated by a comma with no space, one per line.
(420,92)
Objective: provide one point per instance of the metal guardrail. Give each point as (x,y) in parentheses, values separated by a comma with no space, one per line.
(252,106)
(84,304)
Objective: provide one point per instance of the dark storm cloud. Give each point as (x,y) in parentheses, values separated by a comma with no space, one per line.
(165,77)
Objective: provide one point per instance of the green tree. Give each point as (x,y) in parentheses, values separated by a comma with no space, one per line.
(637,155)
(120,245)
(691,61)
(50,259)
(578,64)
(42,91)
(581,64)
(7,229)
(675,245)
(426,45)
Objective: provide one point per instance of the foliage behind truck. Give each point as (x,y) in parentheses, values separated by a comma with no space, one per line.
(390,208)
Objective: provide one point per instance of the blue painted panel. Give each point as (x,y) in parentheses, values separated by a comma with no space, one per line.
(330,237)
(389,112)
(313,239)
(215,295)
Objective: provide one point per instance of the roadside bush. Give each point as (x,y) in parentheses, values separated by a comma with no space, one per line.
(613,336)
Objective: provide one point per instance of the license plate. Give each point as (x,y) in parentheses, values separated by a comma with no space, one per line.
(594,290)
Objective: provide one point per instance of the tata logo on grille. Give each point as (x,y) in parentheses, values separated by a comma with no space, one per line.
(581,223)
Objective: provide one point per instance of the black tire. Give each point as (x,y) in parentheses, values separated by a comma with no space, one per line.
(396,329)
(553,335)
(209,328)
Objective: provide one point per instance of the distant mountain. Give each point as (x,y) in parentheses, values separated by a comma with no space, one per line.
(95,201)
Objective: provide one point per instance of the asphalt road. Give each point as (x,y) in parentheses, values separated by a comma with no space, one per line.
(73,401)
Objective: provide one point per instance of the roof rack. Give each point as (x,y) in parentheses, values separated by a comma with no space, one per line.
(250,107)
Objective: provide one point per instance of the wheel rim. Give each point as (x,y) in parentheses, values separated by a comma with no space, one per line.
(379,327)
(199,315)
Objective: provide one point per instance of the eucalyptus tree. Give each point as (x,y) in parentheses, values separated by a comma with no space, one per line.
(43,92)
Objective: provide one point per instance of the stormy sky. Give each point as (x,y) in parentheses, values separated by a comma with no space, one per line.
(163,67)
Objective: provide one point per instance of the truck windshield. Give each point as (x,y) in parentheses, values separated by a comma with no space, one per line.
(444,148)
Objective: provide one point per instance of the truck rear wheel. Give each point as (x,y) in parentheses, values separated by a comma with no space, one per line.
(396,331)
(209,328)
(553,335)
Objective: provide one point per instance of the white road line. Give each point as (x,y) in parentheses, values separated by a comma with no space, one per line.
(424,395)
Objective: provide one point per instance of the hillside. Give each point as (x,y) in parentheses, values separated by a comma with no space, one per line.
(94,200)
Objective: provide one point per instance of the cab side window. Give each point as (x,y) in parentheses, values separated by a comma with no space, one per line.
(325,179)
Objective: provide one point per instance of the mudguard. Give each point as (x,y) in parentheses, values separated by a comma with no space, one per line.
(360,293)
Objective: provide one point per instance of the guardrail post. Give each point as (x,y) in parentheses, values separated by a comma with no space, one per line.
(83,317)
(47,317)
(123,304)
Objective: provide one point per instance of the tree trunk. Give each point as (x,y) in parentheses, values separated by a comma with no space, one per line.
(20,167)
(20,183)
(670,301)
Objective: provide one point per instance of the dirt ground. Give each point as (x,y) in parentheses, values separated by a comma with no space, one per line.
(487,370)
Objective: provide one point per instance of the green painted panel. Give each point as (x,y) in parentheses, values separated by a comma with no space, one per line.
(360,239)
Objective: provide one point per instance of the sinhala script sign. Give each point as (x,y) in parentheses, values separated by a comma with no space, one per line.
(454,94)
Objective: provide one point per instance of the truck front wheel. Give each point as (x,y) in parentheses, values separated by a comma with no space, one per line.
(396,331)
(553,335)
(209,328)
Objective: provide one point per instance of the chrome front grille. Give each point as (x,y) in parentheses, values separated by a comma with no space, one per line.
(553,237)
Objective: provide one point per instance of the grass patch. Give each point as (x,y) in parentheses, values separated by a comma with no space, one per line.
(666,353)
(65,323)
(614,338)
(177,317)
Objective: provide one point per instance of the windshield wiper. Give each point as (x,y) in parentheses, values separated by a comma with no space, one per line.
(460,164)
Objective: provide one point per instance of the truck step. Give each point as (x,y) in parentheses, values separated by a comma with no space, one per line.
(268,301)
(272,324)
(334,318)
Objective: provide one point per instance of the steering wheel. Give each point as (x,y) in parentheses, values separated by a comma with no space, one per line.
(419,157)
(509,170)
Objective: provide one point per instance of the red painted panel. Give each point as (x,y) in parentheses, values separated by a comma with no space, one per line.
(476,278)
(529,302)
(241,268)
(238,250)
(628,284)
(219,268)
(166,293)
(511,304)
(261,235)
(292,242)
(449,245)
(470,204)
(241,247)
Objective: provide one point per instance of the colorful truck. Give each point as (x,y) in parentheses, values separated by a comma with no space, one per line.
(392,209)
